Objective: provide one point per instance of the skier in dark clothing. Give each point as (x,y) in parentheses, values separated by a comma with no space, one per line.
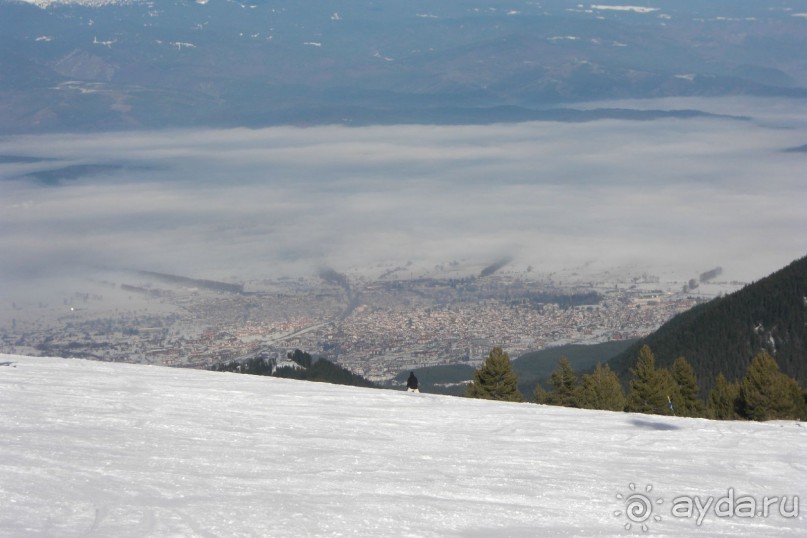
(412,383)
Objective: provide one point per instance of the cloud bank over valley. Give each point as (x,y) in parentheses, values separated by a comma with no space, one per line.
(671,196)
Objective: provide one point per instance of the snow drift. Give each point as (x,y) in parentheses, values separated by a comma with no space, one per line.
(100,449)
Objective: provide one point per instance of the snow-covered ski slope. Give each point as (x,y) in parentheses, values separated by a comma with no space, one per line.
(112,450)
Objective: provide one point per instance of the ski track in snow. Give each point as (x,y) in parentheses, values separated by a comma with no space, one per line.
(99,449)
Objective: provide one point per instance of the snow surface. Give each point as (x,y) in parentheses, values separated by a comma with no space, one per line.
(100,449)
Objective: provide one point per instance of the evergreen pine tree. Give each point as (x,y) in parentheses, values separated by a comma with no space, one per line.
(564,383)
(686,402)
(723,399)
(767,394)
(671,391)
(495,379)
(602,390)
(539,395)
(650,388)
(301,357)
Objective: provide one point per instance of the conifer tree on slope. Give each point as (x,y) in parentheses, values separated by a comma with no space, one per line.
(673,394)
(686,400)
(723,398)
(495,379)
(564,383)
(602,389)
(649,388)
(539,395)
(768,394)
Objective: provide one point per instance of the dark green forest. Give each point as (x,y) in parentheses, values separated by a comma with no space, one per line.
(763,393)
(308,369)
(723,335)
(537,366)
(533,367)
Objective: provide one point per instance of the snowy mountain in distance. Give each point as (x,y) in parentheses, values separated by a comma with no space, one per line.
(103,449)
(104,65)
(85,3)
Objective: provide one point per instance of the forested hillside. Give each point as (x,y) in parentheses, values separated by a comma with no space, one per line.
(537,366)
(533,367)
(305,367)
(723,335)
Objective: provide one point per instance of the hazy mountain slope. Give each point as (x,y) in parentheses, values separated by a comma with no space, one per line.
(532,368)
(449,379)
(102,449)
(723,335)
(103,65)
(538,366)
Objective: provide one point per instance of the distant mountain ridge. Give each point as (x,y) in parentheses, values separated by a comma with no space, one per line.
(103,65)
(723,335)
(85,3)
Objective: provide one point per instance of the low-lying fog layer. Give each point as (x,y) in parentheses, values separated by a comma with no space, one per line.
(667,195)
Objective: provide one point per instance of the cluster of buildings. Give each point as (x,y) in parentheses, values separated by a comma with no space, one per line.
(372,329)
(380,341)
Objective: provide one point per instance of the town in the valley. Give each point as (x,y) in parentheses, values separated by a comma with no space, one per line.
(375,327)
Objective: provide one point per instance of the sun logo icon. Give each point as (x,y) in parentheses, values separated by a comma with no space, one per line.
(638,507)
